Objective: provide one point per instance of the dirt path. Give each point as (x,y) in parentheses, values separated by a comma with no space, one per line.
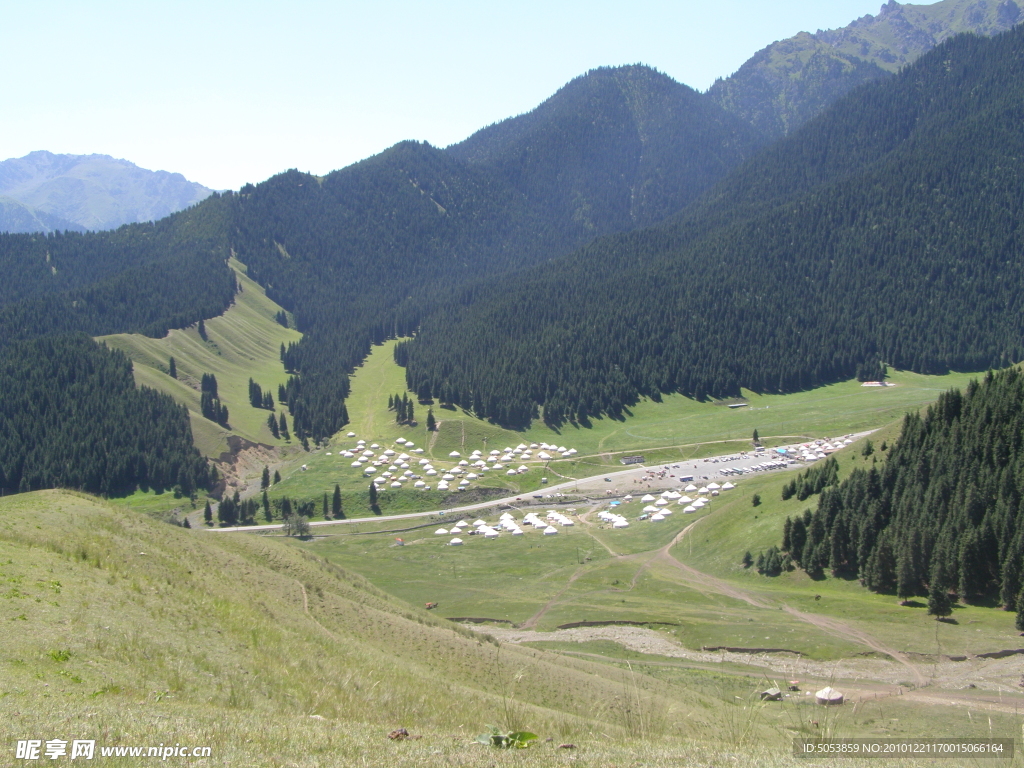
(531,622)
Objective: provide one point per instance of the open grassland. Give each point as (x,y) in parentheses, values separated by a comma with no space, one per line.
(120,628)
(243,343)
(592,572)
(117,628)
(677,428)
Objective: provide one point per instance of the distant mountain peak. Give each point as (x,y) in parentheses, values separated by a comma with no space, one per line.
(788,82)
(90,191)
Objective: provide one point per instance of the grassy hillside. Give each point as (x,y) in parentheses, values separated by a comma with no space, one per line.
(129,631)
(242,343)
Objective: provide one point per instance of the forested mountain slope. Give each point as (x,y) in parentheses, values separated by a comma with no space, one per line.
(92,191)
(343,251)
(942,513)
(790,81)
(614,149)
(887,229)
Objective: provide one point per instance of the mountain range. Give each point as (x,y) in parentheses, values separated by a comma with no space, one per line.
(628,237)
(44,192)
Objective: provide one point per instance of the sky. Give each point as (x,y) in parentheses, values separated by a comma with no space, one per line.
(230,92)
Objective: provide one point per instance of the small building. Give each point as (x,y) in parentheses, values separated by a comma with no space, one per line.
(632,459)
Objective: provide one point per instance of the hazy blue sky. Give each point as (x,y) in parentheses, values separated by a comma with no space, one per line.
(227,92)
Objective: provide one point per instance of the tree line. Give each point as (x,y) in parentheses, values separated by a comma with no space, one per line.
(943,513)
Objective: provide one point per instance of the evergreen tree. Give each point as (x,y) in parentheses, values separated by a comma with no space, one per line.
(431,422)
(265,478)
(906,580)
(325,510)
(336,509)
(410,415)
(755,500)
(266,507)
(172,368)
(274,429)
(373,498)
(747,559)
(939,604)
(391,402)
(282,424)
(277,477)
(186,523)
(756,438)
(208,513)
(202,329)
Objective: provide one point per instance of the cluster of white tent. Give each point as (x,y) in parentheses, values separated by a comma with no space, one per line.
(617,520)
(389,467)
(507,523)
(657,507)
(819,449)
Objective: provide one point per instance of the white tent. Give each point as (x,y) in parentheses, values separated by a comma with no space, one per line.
(478,522)
(690,508)
(490,533)
(690,488)
(374,446)
(648,497)
(685,500)
(455,454)
(713,486)
(396,484)
(703,491)
(511,472)
(400,441)
(517,531)
(357,463)
(620,524)
(455,543)
(431,472)
(351,434)
(447,476)
(550,530)
(544,455)
(410,444)
(441,532)
(651,508)
(661,502)
(657,518)
(728,487)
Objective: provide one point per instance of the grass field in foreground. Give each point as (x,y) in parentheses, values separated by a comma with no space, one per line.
(677,428)
(130,632)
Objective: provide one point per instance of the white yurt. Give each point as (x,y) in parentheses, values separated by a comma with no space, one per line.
(651,508)
(703,491)
(447,476)
(690,488)
(511,472)
(661,502)
(441,532)
(455,543)
(431,472)
(728,486)
(828,696)
(713,486)
(442,486)
(689,509)
(396,484)
(463,483)
(490,533)
(647,498)
(685,500)
(374,446)
(657,518)
(454,454)
(351,434)
(418,484)
(620,524)
(550,530)
(410,444)
(357,463)
(517,531)
(400,441)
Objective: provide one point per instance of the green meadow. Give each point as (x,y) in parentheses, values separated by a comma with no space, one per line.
(677,428)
